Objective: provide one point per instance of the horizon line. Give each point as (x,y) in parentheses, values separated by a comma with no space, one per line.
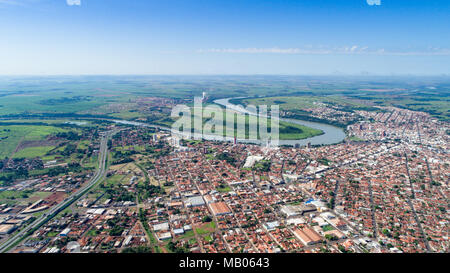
(224,74)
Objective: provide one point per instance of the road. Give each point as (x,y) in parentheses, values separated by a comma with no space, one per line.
(98,176)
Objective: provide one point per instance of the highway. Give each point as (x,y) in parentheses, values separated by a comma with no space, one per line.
(98,176)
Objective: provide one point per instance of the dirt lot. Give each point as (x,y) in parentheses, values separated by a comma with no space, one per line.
(56,197)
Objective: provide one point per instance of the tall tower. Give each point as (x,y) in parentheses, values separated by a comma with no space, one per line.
(203,96)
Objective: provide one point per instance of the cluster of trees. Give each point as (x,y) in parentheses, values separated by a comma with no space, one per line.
(116,231)
(262,166)
(330,237)
(69,135)
(158,150)
(139,249)
(116,225)
(323,161)
(122,161)
(147,190)
(9,178)
(118,154)
(331,202)
(22,173)
(71,167)
(177,249)
(226,157)
(20,163)
(119,194)
(69,149)
(343,250)
(306,116)
(207,219)
(123,157)
(288,129)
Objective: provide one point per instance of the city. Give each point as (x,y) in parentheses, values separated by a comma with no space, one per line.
(385,192)
(228,136)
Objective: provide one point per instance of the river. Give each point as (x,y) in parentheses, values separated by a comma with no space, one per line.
(332,134)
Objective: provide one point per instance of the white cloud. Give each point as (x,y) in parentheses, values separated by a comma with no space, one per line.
(321,50)
(73,2)
(31,2)
(12,2)
(374,2)
(273,50)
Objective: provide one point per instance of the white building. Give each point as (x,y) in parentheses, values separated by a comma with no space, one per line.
(161,227)
(251,160)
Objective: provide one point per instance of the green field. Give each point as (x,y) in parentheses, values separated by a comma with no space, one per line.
(11,195)
(137,148)
(188,234)
(12,135)
(30,121)
(206,228)
(91,162)
(33,152)
(224,189)
(304,102)
(44,103)
(436,104)
(93,94)
(127,115)
(287,131)
(84,144)
(54,100)
(22,197)
(115,179)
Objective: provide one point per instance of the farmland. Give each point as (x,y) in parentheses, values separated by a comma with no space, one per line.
(301,102)
(11,136)
(33,152)
(22,197)
(287,130)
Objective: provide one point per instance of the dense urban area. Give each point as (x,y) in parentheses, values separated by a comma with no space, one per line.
(95,185)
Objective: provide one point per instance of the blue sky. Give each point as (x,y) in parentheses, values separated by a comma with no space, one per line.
(306,37)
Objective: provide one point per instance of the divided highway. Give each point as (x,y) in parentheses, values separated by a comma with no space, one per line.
(98,176)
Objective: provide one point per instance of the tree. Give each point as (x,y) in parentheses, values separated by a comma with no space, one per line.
(330,237)
(139,249)
(207,219)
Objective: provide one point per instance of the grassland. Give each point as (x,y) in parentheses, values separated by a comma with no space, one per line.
(44,103)
(84,144)
(206,228)
(33,152)
(115,179)
(26,100)
(435,103)
(188,234)
(78,94)
(303,102)
(130,114)
(91,162)
(12,135)
(12,195)
(136,148)
(224,189)
(287,131)
(22,197)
